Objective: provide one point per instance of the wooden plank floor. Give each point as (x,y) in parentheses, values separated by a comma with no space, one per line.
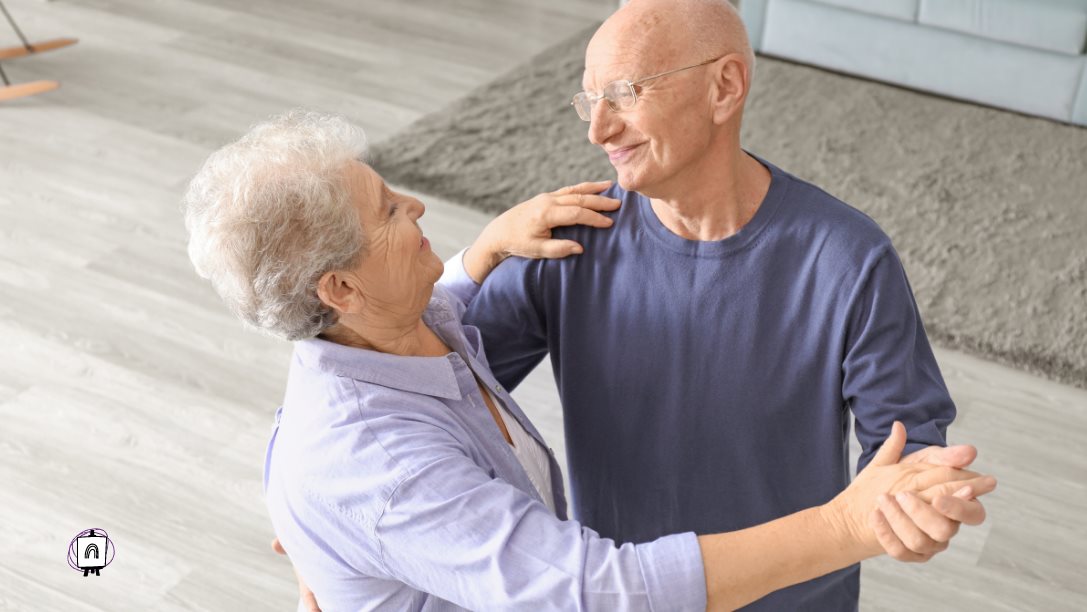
(131,401)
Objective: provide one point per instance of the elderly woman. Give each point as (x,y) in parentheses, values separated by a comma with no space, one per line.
(401,475)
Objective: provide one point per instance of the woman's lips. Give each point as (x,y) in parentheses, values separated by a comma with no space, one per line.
(424,244)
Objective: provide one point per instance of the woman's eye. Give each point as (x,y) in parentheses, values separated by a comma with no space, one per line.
(393,205)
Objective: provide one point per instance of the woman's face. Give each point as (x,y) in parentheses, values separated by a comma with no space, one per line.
(399,269)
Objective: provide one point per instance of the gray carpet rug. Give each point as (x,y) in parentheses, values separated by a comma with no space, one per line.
(988,209)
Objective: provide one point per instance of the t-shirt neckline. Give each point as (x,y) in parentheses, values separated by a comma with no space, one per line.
(745,238)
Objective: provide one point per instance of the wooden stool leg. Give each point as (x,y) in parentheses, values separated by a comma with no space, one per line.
(38,47)
(23,90)
(28,47)
(15,27)
(9,91)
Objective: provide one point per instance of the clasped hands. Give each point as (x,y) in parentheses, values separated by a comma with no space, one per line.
(910,507)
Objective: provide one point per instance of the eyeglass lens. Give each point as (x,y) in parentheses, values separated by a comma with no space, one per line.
(619,94)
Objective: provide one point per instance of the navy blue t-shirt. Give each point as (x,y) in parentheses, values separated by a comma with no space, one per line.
(706,386)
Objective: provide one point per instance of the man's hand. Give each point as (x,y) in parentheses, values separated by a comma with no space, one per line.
(309,602)
(913,527)
(525,229)
(917,531)
(959,456)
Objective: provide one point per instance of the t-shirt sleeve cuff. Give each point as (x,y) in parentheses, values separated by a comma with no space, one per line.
(456,281)
(674,577)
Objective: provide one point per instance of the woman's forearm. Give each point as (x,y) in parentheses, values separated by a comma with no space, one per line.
(745,565)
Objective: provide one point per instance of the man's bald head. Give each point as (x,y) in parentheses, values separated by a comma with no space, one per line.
(666,134)
(663,34)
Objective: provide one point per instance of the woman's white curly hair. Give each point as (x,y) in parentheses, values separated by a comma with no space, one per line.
(270,214)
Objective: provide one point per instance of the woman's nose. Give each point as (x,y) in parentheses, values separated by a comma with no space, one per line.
(417,208)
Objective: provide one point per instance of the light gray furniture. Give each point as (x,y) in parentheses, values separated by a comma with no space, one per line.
(1023,55)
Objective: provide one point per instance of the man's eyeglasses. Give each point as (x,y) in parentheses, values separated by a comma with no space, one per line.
(621,95)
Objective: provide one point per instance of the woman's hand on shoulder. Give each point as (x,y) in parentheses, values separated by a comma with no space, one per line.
(525,229)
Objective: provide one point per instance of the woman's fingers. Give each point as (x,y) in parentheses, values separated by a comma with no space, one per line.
(588,200)
(574,215)
(586,187)
(890,542)
(909,533)
(525,229)
(306,597)
(557,249)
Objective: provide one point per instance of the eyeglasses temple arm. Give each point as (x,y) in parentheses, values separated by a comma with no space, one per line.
(657,76)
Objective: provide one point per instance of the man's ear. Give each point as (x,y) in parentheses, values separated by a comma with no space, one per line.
(340,291)
(731,81)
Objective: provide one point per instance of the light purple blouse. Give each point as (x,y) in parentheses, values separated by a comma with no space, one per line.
(391,487)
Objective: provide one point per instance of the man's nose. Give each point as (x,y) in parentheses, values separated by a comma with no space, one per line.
(416,208)
(603,123)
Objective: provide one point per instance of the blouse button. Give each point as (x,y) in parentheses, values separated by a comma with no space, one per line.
(498,388)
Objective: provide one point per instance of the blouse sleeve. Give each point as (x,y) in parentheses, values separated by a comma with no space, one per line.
(451,529)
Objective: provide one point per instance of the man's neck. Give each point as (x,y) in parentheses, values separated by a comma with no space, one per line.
(717,205)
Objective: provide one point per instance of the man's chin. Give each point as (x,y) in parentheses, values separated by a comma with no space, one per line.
(629,181)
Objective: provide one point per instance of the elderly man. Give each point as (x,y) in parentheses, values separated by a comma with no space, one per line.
(710,346)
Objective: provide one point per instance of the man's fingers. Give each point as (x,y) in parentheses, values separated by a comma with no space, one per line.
(928,519)
(595,202)
(587,187)
(276,546)
(907,531)
(891,451)
(890,542)
(966,511)
(959,456)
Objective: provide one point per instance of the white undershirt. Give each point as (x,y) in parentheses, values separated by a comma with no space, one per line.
(529,453)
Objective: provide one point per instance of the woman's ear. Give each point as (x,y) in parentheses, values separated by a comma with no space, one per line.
(340,291)
(731,81)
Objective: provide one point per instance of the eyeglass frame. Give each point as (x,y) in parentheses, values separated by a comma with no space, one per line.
(594,98)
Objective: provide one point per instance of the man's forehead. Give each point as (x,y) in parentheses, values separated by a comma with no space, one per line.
(615,54)
(604,65)
(598,75)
